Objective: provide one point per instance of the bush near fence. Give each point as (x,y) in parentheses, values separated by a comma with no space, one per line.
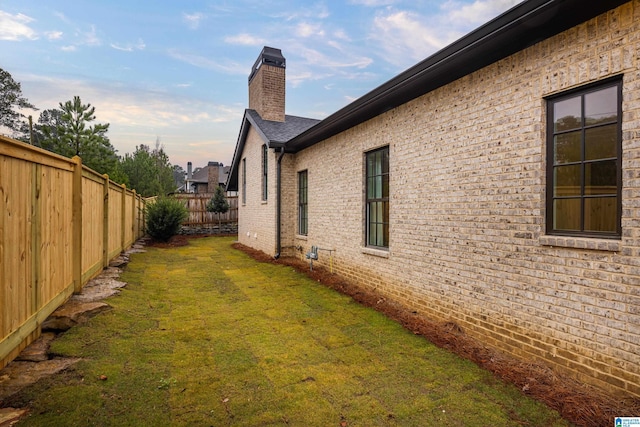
(60,225)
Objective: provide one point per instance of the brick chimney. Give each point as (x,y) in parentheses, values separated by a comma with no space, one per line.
(267,85)
(214,176)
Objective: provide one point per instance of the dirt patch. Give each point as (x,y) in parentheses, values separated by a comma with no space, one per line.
(576,402)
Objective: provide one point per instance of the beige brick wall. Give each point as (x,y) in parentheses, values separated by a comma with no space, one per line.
(467,240)
(256,217)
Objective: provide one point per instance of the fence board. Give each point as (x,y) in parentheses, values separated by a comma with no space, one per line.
(115,219)
(43,237)
(196,204)
(92,235)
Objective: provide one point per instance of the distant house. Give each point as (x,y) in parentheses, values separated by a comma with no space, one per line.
(206,179)
(496,184)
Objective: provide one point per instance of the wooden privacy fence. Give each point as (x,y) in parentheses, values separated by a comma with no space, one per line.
(60,225)
(196,203)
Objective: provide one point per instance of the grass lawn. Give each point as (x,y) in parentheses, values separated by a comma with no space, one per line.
(203,335)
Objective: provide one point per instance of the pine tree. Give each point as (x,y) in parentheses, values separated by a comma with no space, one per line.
(11,99)
(218,204)
(72,135)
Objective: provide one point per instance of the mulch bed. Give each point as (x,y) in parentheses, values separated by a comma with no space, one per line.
(578,403)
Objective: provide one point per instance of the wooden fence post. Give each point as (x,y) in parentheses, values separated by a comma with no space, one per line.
(77,225)
(36,237)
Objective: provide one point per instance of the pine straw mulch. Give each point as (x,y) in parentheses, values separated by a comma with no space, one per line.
(578,403)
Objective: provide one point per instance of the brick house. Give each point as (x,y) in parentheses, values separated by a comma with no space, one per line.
(496,184)
(206,179)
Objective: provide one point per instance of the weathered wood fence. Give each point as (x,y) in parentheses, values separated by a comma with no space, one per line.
(60,225)
(196,203)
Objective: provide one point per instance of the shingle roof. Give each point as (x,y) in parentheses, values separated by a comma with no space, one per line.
(274,134)
(201,175)
(280,132)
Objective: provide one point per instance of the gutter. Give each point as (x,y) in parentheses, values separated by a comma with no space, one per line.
(516,29)
(279,203)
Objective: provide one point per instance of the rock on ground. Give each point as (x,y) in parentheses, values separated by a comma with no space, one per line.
(17,375)
(38,351)
(10,416)
(72,313)
(34,363)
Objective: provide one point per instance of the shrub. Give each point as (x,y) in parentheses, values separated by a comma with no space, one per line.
(218,204)
(164,217)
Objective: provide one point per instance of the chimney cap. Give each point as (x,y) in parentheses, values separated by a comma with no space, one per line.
(269,56)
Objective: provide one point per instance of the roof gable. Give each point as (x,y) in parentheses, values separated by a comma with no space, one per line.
(274,134)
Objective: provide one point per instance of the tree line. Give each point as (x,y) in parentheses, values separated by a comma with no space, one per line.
(71,130)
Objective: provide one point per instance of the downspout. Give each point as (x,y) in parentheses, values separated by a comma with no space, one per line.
(278,203)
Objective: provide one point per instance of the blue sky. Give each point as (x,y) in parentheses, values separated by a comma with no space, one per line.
(177,70)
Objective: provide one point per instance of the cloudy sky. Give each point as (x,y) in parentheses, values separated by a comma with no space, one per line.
(177,70)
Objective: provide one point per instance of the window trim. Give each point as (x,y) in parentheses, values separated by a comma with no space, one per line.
(367,201)
(582,91)
(303,203)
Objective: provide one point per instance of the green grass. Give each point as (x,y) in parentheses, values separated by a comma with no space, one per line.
(205,336)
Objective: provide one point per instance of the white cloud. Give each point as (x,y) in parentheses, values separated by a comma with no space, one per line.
(130,47)
(193,20)
(245,40)
(305,29)
(225,65)
(478,12)
(84,38)
(136,116)
(317,58)
(15,27)
(295,78)
(406,37)
(61,16)
(316,66)
(90,37)
(373,3)
(341,35)
(54,35)
(316,11)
